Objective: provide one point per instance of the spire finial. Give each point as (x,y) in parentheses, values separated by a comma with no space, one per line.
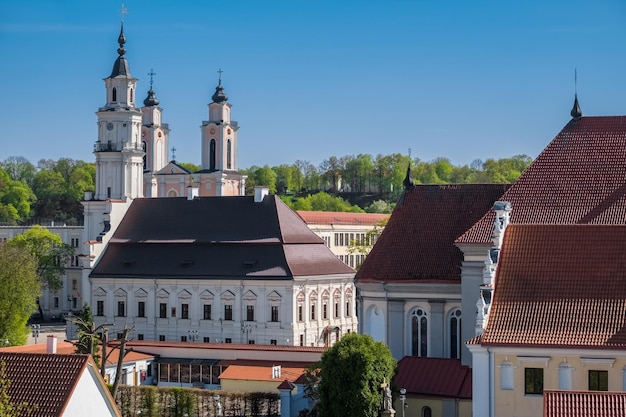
(173,153)
(219,96)
(219,71)
(151,74)
(123,11)
(576,112)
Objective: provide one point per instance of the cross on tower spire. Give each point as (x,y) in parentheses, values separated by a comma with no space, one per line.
(219,71)
(151,74)
(173,153)
(123,11)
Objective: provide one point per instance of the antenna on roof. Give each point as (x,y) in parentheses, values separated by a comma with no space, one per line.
(576,112)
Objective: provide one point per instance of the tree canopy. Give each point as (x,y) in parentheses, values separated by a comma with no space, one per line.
(350,376)
(49,252)
(19,290)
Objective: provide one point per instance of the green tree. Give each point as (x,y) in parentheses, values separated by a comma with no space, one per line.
(19,289)
(49,251)
(16,198)
(350,376)
(363,247)
(87,342)
(19,169)
(380,206)
(284,178)
(189,166)
(265,176)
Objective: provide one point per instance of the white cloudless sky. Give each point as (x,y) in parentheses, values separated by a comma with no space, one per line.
(313,78)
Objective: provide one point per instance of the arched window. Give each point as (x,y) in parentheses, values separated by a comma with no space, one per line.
(144,146)
(212,155)
(229,164)
(172,193)
(427,412)
(419,333)
(131,95)
(114,97)
(454,334)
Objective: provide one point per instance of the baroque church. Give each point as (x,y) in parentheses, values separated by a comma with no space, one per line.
(258,275)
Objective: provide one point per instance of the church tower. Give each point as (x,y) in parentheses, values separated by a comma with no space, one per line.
(219,134)
(119,152)
(155,136)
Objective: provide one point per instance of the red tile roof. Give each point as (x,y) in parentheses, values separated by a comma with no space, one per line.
(580,177)
(560,286)
(341,218)
(225,237)
(583,404)
(259,373)
(67,348)
(44,380)
(434,377)
(418,241)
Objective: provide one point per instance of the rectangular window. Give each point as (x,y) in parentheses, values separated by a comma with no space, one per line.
(273,342)
(228,312)
(121,309)
(184,310)
(173,311)
(250,342)
(301,340)
(336,239)
(250,313)
(340,239)
(300,315)
(162,310)
(207,312)
(74,284)
(140,336)
(183,338)
(324,311)
(74,303)
(100,308)
(348,309)
(312,311)
(228,340)
(533,380)
(274,317)
(161,338)
(598,380)
(336,309)
(56,302)
(141,309)
(205,340)
(119,336)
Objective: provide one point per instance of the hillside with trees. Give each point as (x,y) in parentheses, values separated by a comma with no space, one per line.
(52,190)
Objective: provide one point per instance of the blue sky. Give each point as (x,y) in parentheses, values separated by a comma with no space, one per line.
(313,78)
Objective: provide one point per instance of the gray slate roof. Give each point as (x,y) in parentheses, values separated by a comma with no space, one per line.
(215,238)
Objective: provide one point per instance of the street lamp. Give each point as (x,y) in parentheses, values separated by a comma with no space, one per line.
(193,335)
(246,328)
(403,399)
(36,328)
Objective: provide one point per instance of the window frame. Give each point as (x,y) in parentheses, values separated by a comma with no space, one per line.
(533,381)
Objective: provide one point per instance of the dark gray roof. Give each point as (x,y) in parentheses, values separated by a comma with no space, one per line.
(121,67)
(215,237)
(219,96)
(151,99)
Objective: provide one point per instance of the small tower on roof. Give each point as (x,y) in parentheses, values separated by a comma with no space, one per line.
(155,136)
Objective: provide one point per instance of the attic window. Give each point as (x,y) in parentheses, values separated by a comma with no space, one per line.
(249,264)
(186,263)
(128,262)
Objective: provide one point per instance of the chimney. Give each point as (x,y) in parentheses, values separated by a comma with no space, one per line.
(260,191)
(51,344)
(192,192)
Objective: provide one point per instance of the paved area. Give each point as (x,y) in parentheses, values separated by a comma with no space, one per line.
(45,329)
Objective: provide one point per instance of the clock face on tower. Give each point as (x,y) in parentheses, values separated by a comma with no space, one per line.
(109,126)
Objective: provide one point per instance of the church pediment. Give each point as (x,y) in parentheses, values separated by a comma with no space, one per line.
(173,169)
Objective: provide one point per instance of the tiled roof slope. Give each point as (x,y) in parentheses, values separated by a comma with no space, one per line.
(580,177)
(43,380)
(560,286)
(583,403)
(225,237)
(341,218)
(434,377)
(418,241)
(260,373)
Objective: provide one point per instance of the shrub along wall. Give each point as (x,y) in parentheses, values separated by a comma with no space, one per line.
(149,401)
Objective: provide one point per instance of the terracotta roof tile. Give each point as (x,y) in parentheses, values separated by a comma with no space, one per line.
(583,404)
(44,380)
(418,241)
(580,177)
(260,373)
(137,344)
(560,285)
(434,377)
(265,240)
(341,218)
